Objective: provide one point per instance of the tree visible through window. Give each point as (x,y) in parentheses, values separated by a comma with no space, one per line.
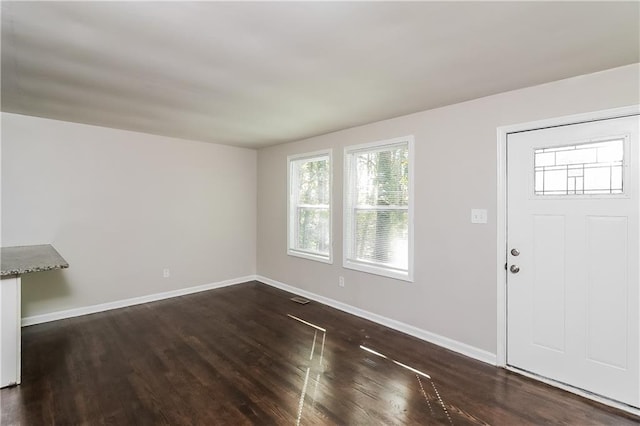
(377,219)
(310,206)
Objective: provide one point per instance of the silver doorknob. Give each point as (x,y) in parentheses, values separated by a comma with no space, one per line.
(515,252)
(514,269)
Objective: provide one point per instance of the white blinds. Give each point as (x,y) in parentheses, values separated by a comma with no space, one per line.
(377,205)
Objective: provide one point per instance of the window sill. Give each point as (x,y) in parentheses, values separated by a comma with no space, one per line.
(378,270)
(310,256)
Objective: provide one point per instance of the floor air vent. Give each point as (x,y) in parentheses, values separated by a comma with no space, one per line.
(300,300)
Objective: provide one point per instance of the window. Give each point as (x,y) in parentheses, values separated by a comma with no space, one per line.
(586,169)
(309,221)
(378,218)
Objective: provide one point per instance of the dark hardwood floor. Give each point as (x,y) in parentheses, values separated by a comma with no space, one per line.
(246,354)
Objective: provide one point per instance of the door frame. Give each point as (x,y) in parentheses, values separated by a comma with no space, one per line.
(501,223)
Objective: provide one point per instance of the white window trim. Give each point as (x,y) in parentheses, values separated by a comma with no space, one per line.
(291,251)
(364,266)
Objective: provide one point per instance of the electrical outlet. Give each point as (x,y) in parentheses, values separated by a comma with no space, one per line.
(341,281)
(166,272)
(478,216)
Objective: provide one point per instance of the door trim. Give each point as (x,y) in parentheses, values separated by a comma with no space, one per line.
(501,210)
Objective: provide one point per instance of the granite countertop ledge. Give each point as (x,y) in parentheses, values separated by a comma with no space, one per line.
(25,259)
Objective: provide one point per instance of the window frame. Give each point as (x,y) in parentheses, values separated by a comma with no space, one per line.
(348,260)
(291,215)
(625,172)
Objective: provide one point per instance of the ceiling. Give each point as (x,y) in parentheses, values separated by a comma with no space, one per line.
(259,74)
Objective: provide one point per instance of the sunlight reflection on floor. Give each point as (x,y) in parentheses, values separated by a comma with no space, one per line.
(315,369)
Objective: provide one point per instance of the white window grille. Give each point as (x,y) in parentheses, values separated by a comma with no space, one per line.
(309,213)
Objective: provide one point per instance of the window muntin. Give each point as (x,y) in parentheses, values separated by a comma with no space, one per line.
(378,208)
(309,215)
(585,169)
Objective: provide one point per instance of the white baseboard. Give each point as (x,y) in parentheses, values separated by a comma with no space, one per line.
(86,310)
(445,342)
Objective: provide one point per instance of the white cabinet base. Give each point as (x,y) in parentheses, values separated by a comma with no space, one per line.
(10,337)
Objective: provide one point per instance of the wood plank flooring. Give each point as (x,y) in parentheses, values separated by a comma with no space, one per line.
(246,354)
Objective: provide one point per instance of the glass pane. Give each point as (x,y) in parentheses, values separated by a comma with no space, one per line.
(309,212)
(575,172)
(381,236)
(576,156)
(382,177)
(539,181)
(313,181)
(555,181)
(597,179)
(610,153)
(313,230)
(592,168)
(616,179)
(545,159)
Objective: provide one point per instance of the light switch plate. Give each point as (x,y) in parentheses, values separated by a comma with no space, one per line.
(478,215)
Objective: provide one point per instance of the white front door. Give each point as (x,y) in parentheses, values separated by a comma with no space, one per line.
(573,258)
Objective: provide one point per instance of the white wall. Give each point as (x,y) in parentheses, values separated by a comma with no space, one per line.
(454,293)
(120,206)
